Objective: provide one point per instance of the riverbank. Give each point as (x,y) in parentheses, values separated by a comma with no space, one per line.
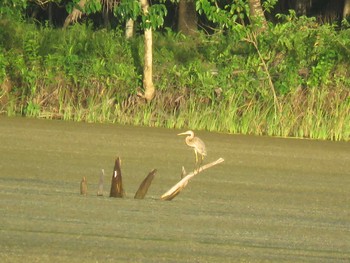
(293,83)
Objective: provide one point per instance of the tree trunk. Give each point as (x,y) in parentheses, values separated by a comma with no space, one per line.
(129,29)
(302,7)
(105,17)
(257,13)
(187,19)
(346,10)
(147,68)
(75,15)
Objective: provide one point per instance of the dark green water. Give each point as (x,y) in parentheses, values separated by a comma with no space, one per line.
(271,200)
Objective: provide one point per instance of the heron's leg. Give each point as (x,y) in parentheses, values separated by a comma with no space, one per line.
(201,160)
(195,153)
(196,164)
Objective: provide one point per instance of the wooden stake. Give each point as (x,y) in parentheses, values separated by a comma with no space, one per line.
(83,186)
(117,183)
(100,184)
(176,189)
(146,183)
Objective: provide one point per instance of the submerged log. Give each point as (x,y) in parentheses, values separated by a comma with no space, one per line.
(100,184)
(146,183)
(177,188)
(117,183)
(83,186)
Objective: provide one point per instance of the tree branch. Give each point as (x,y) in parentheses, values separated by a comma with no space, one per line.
(253,40)
(176,189)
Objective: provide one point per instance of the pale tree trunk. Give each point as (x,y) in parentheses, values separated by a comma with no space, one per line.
(187,19)
(256,12)
(75,15)
(147,68)
(129,29)
(302,7)
(105,17)
(346,10)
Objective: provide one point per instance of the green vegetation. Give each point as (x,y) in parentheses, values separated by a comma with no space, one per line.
(292,80)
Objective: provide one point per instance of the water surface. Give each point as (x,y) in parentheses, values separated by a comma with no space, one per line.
(272,199)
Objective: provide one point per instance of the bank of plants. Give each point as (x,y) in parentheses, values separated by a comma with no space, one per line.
(291,80)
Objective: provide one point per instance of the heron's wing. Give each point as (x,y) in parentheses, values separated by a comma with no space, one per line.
(199,145)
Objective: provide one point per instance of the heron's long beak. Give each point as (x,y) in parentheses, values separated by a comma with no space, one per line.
(183,133)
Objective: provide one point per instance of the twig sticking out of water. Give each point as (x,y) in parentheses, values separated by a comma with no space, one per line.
(100,184)
(83,186)
(183,172)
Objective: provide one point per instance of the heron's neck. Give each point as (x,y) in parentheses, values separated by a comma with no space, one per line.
(189,139)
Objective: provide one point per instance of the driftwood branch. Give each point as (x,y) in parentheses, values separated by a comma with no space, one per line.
(117,183)
(177,188)
(146,183)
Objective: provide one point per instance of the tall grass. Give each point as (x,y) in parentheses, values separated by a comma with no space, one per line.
(212,83)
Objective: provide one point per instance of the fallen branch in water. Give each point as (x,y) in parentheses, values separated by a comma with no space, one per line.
(176,189)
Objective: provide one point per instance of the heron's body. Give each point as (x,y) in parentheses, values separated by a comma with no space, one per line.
(196,143)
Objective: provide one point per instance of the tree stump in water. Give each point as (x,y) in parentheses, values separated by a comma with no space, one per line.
(142,191)
(117,183)
(100,184)
(83,186)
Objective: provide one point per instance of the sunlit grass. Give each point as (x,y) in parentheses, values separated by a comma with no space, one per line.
(321,115)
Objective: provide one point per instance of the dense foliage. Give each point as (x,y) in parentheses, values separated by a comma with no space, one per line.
(291,80)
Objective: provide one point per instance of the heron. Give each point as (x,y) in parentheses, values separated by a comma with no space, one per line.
(197,145)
